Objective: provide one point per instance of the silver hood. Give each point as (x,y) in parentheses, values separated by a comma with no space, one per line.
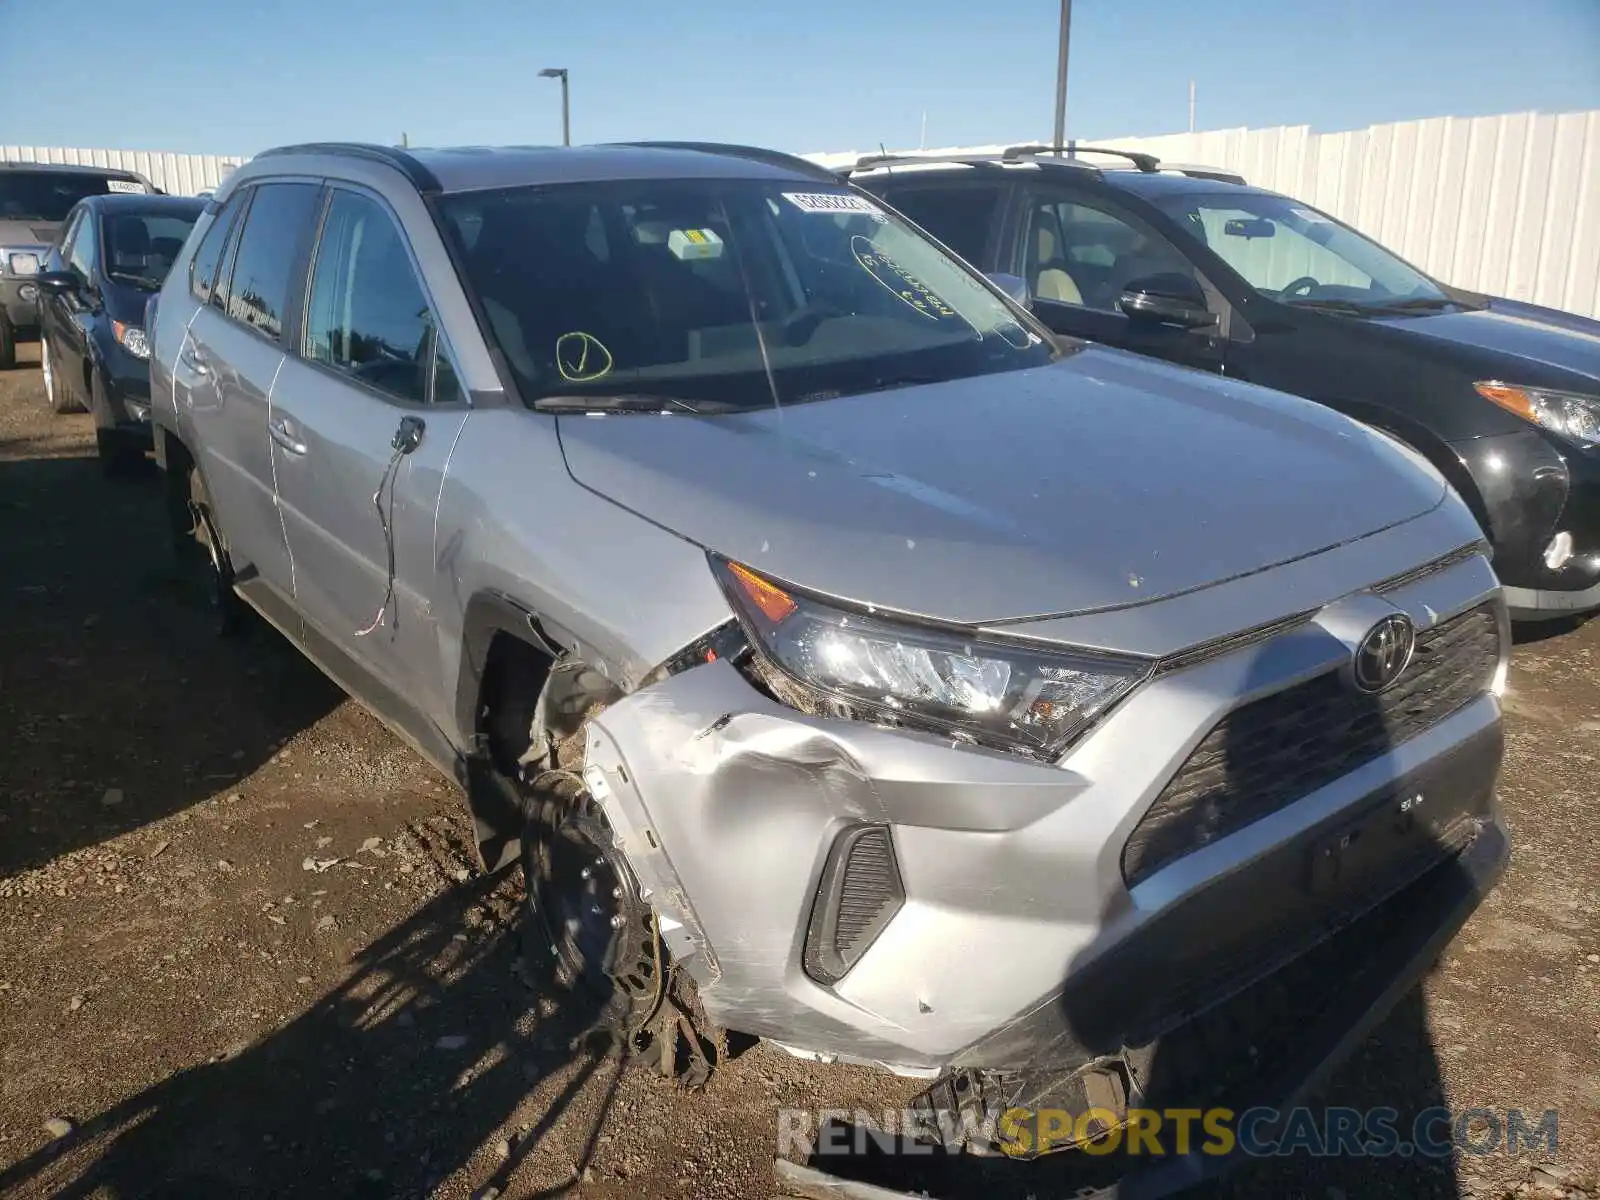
(1101,481)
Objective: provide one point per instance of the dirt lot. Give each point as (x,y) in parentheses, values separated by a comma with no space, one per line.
(243,949)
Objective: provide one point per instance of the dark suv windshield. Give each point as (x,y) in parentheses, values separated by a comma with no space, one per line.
(1296,254)
(50,195)
(736,293)
(142,246)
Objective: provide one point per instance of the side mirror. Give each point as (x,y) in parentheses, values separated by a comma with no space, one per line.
(1014,286)
(57,283)
(1167,299)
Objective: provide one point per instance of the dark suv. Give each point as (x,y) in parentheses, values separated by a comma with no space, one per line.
(35,199)
(1182,264)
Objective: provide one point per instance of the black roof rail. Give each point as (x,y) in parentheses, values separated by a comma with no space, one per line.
(1148,163)
(392,156)
(772,158)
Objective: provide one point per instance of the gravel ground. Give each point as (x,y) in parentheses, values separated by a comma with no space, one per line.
(244,949)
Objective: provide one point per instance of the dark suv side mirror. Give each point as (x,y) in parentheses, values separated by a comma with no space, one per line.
(1167,299)
(57,283)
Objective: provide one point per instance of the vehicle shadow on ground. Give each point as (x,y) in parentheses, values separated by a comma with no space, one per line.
(392,1082)
(1343,999)
(112,684)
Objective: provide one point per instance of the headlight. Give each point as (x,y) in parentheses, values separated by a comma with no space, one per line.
(23,262)
(132,339)
(979,689)
(1570,413)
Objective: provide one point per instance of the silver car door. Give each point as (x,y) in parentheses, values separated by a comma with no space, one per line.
(371,369)
(229,362)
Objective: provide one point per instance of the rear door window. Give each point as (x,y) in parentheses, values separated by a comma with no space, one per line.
(279,219)
(203,267)
(960,217)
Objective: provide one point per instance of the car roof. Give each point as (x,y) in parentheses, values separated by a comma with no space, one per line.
(1171,181)
(473,168)
(1172,184)
(143,202)
(71,169)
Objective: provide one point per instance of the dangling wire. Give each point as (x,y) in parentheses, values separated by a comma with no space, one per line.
(386,519)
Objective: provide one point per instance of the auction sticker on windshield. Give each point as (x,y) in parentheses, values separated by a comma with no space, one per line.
(833,202)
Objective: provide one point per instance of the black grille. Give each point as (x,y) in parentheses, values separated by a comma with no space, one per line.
(860,891)
(1284,746)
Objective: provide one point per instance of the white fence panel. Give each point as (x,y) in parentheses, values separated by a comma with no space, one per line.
(180,174)
(1507,204)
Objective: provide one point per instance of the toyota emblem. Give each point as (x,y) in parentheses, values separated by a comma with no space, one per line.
(1385,653)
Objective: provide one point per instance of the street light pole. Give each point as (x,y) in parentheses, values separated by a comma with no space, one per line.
(1061,75)
(566,106)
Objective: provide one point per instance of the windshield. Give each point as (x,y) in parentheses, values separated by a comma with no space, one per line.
(1296,254)
(142,246)
(50,195)
(736,293)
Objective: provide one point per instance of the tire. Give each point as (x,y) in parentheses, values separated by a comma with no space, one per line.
(59,399)
(204,562)
(8,345)
(577,921)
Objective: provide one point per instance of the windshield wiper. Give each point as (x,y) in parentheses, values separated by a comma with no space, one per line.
(630,402)
(1421,304)
(1346,307)
(137,280)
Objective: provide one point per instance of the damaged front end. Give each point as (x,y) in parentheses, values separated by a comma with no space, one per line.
(1167,914)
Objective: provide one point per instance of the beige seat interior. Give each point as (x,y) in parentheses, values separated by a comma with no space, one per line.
(1051,282)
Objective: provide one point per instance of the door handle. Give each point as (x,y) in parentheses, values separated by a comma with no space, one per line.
(283,432)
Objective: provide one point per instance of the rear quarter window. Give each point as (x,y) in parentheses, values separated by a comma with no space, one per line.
(958,216)
(207,257)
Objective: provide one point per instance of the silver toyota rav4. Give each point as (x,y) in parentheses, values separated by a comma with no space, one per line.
(856,665)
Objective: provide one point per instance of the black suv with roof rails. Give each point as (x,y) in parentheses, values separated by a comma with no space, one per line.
(1191,265)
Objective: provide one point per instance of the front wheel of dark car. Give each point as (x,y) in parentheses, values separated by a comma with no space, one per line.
(8,344)
(56,393)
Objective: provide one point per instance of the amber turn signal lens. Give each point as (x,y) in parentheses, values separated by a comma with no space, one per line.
(1513,399)
(773,602)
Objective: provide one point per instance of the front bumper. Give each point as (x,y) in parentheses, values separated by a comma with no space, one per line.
(19,304)
(1533,488)
(127,398)
(1017,938)
(1269,1047)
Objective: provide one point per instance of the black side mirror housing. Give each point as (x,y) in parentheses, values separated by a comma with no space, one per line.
(1171,298)
(57,283)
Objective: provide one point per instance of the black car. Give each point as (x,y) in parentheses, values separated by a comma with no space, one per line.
(1183,264)
(112,256)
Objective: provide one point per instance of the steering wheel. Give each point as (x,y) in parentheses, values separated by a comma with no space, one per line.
(1301,287)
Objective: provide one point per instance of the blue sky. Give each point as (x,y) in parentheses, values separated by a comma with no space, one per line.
(235,76)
